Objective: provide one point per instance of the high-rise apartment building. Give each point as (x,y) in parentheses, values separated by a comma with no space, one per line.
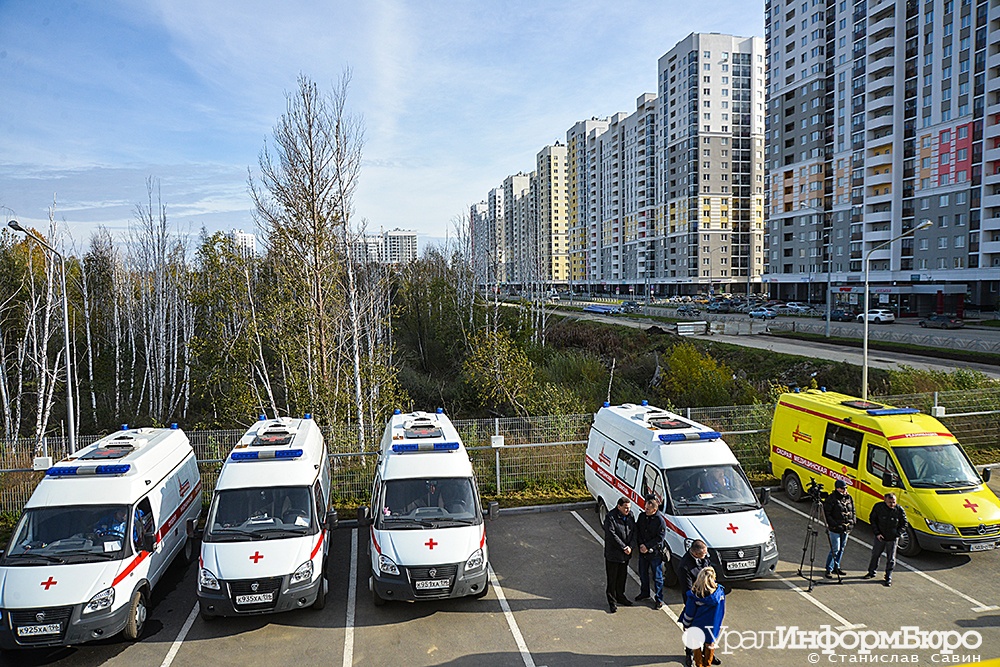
(550,260)
(582,245)
(884,114)
(246,243)
(481,242)
(399,246)
(517,206)
(711,163)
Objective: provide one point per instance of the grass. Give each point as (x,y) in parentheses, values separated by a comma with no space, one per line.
(888,346)
(988,323)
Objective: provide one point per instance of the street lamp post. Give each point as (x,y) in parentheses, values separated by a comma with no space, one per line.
(924,224)
(829,282)
(70,409)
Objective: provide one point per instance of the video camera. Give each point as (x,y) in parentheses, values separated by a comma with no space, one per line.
(815,490)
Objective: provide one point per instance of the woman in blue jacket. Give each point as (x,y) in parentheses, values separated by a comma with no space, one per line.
(704,608)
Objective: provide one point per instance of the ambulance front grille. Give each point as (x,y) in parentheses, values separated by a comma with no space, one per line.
(263,586)
(439,572)
(44,616)
(980,531)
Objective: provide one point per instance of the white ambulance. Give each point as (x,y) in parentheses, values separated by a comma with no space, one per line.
(265,544)
(638,450)
(96,536)
(428,537)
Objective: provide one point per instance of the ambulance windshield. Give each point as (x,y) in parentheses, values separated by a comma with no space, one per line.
(709,490)
(936,466)
(239,515)
(428,503)
(79,534)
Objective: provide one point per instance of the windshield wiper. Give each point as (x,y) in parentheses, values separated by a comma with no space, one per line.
(257,535)
(716,509)
(402,519)
(461,522)
(282,532)
(960,482)
(106,555)
(43,557)
(738,503)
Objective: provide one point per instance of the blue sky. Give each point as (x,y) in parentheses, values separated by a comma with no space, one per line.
(96,96)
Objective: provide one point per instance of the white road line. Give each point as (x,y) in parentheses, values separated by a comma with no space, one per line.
(844,623)
(352,597)
(176,646)
(593,533)
(978,606)
(511,623)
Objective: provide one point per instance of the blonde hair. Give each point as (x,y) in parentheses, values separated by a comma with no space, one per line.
(705,584)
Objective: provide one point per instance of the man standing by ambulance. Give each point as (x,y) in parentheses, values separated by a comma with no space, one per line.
(888,521)
(619,532)
(651,532)
(839,511)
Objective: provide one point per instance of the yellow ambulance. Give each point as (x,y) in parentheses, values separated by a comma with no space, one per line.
(822,436)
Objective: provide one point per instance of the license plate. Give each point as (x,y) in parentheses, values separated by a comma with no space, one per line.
(33,630)
(431,584)
(255,599)
(983,546)
(741,564)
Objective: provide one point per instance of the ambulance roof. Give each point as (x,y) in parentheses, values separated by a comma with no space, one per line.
(117,469)
(667,439)
(901,426)
(422,445)
(274,452)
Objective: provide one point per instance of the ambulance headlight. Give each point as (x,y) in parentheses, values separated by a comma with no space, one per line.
(770,545)
(101,601)
(475,560)
(207,580)
(939,527)
(303,573)
(386,565)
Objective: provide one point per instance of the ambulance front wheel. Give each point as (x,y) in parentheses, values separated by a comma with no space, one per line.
(792,486)
(482,593)
(136,615)
(907,544)
(321,594)
(602,511)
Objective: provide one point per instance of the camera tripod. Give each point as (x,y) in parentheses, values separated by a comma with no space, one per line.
(817,520)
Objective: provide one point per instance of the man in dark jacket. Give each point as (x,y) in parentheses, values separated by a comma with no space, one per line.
(619,531)
(651,533)
(839,511)
(888,521)
(693,562)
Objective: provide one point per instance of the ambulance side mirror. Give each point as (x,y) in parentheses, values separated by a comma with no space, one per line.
(987,473)
(148,542)
(364,517)
(888,479)
(332,520)
(492,510)
(191,528)
(764,495)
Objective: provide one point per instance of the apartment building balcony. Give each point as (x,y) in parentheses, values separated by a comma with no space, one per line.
(878,179)
(884,120)
(882,53)
(888,21)
(991,200)
(991,224)
(991,154)
(878,160)
(883,40)
(879,217)
(991,178)
(875,237)
(993,60)
(992,131)
(990,247)
(883,102)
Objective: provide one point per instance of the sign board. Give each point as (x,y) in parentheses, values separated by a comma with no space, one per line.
(883,298)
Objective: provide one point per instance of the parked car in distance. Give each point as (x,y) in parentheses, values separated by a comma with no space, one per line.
(936,321)
(764,313)
(718,307)
(687,309)
(878,316)
(841,315)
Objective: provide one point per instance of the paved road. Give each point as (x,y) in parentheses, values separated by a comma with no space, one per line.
(551,575)
(876,358)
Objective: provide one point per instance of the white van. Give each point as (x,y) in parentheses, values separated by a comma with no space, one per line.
(636,450)
(428,538)
(96,536)
(265,544)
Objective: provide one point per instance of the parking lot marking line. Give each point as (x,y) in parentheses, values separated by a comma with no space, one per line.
(511,623)
(844,623)
(978,606)
(176,646)
(593,533)
(352,598)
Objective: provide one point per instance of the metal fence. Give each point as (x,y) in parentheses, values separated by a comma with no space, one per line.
(538,452)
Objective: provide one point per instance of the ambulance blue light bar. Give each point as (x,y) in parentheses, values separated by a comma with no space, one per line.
(882,412)
(425,447)
(83,471)
(700,435)
(266,454)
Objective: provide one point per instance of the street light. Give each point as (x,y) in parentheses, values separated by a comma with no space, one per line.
(70,409)
(924,224)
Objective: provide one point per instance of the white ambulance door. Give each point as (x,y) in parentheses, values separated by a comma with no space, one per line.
(652,483)
(144,523)
(627,472)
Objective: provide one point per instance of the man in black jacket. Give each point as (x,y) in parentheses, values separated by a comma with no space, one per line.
(693,562)
(619,531)
(839,511)
(651,533)
(888,521)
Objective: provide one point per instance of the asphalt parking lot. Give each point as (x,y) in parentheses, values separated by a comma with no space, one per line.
(552,612)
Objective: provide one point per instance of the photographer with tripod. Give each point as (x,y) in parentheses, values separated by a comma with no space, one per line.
(840,518)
